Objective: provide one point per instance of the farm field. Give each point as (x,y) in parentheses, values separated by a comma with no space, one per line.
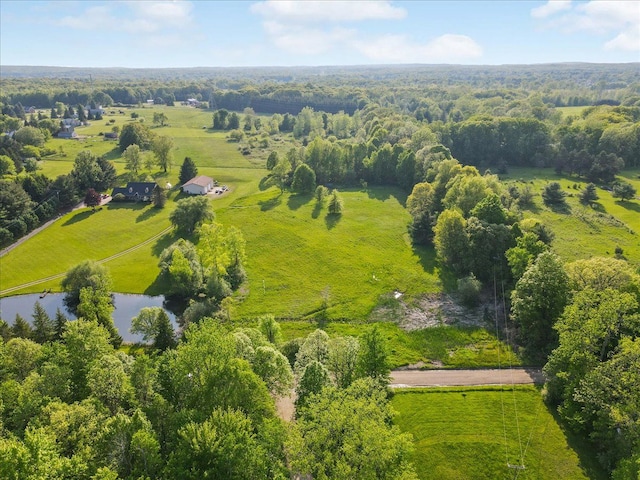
(459,434)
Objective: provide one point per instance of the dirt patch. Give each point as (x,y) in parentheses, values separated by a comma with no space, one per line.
(285,406)
(434,310)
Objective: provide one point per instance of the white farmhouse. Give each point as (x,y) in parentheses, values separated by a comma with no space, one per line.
(200,185)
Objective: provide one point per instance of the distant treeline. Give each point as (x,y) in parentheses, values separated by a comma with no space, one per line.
(330,89)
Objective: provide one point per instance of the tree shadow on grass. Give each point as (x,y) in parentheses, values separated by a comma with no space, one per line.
(266,205)
(586,453)
(148,213)
(78,217)
(427,256)
(113,154)
(316,210)
(560,208)
(629,205)
(163,242)
(332,219)
(384,193)
(296,201)
(448,279)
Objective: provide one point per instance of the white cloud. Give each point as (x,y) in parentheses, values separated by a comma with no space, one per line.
(139,17)
(316,27)
(550,8)
(305,40)
(87,20)
(448,48)
(618,18)
(327,11)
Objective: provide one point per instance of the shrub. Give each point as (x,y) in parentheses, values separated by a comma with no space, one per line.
(469,291)
(118,197)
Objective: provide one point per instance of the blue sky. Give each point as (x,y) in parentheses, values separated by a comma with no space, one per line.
(284,33)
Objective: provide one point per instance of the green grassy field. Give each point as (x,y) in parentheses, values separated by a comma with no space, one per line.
(568,111)
(302,263)
(583,231)
(459,434)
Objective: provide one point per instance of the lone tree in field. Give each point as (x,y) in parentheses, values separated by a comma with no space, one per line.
(589,194)
(553,196)
(624,191)
(188,170)
(335,203)
(190,213)
(162,150)
(92,199)
(160,118)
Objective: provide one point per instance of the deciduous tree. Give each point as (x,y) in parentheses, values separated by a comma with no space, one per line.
(190,213)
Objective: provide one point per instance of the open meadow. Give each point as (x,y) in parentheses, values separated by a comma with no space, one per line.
(585,231)
(464,433)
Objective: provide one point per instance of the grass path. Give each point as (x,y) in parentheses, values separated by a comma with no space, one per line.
(104,260)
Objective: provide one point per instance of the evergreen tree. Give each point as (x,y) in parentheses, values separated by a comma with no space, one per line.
(21,328)
(188,170)
(165,336)
(589,194)
(59,324)
(42,325)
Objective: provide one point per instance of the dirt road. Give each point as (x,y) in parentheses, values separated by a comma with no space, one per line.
(442,378)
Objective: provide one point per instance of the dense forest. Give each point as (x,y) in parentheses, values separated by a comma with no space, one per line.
(200,402)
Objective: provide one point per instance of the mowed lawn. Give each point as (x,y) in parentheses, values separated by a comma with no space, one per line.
(459,434)
(83,235)
(585,231)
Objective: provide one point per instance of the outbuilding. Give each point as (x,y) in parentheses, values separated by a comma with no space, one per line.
(200,185)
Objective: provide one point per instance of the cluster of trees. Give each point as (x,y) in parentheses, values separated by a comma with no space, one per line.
(586,315)
(209,273)
(138,135)
(72,406)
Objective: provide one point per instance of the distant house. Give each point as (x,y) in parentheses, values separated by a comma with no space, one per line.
(200,185)
(136,191)
(192,102)
(94,111)
(30,110)
(111,136)
(67,131)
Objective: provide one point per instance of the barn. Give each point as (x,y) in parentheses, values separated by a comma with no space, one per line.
(200,185)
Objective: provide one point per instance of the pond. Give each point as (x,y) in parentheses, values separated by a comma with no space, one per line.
(127,306)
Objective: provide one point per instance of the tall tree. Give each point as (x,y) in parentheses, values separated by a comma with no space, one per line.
(373,356)
(161,148)
(188,170)
(190,213)
(451,241)
(133,158)
(42,325)
(538,300)
(304,179)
